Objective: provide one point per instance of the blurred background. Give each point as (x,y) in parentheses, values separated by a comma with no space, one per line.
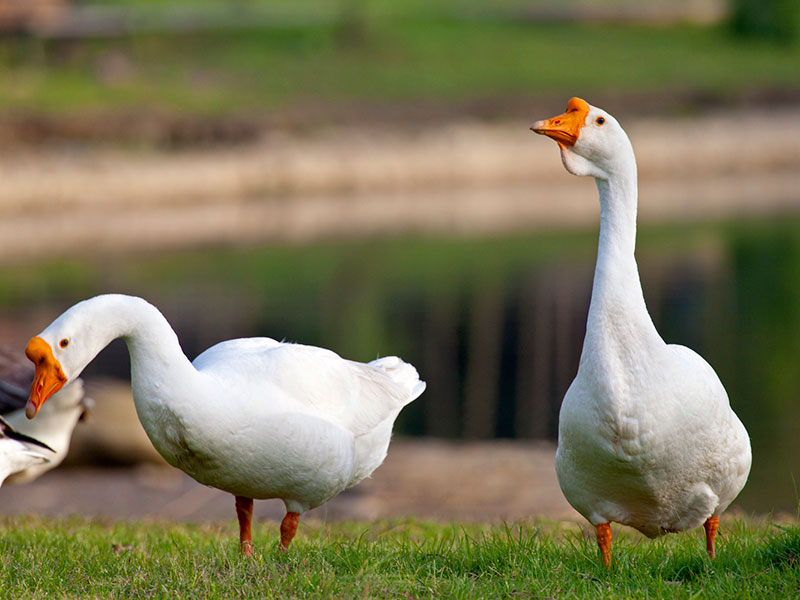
(359,175)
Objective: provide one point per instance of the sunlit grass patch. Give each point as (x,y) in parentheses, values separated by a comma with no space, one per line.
(388,559)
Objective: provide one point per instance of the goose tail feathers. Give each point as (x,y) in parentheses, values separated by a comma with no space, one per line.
(401,373)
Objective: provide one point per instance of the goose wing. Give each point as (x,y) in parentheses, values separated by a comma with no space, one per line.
(316,381)
(16,375)
(7,431)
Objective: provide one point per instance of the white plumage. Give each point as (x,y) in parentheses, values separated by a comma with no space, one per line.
(647,437)
(19,452)
(255,417)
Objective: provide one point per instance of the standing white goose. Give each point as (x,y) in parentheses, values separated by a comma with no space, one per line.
(254,417)
(646,437)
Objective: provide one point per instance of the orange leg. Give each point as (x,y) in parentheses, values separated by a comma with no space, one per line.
(603,532)
(244,511)
(288,529)
(711,525)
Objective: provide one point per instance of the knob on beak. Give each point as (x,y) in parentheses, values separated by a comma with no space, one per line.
(565,128)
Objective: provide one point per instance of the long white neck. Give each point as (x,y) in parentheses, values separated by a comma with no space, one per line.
(156,354)
(165,384)
(617,313)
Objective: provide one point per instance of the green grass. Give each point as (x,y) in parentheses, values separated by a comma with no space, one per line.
(397,59)
(394,559)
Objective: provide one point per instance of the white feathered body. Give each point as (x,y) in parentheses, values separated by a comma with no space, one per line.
(16,456)
(647,438)
(265,419)
(19,452)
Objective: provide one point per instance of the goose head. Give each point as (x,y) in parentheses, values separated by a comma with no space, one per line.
(59,354)
(592,142)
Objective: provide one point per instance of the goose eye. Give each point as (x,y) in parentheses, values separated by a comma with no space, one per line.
(64,343)
(600,120)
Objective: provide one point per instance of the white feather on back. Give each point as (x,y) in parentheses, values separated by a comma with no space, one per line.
(354,395)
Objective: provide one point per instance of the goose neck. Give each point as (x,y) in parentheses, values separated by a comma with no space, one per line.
(617,291)
(153,345)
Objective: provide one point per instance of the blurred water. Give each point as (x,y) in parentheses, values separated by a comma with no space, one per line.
(494,325)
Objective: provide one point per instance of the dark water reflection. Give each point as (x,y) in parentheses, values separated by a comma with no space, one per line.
(494,325)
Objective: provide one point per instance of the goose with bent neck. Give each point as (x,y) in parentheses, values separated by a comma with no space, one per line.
(647,437)
(254,417)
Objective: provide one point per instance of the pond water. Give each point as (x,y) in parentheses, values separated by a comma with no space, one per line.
(495,325)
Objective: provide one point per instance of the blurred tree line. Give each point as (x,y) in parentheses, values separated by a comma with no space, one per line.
(772,19)
(495,326)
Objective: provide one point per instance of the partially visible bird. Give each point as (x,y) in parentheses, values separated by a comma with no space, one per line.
(56,423)
(646,434)
(19,452)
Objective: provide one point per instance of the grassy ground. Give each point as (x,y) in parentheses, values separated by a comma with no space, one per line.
(399,559)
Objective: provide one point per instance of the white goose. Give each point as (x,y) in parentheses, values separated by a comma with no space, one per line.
(56,422)
(254,417)
(647,437)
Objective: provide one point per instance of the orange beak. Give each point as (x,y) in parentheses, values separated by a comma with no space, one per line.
(48,379)
(565,128)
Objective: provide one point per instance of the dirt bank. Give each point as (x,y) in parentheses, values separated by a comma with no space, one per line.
(474,481)
(468,177)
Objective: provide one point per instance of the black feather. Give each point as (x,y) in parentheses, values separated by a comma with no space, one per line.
(9,432)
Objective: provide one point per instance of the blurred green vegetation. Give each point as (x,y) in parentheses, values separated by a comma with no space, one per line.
(379,51)
(769,19)
(729,290)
